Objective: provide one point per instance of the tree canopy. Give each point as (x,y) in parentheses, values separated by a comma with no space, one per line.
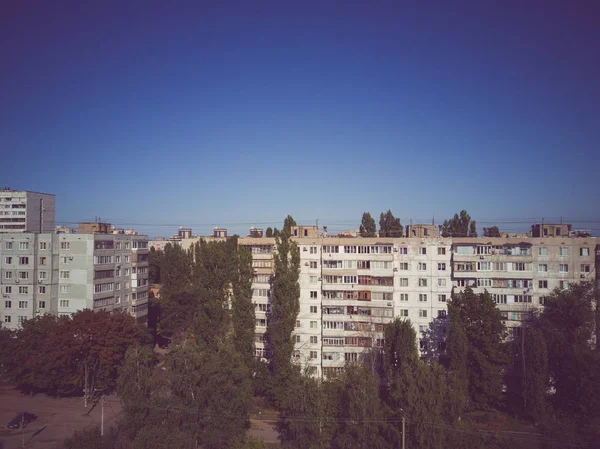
(367,226)
(389,226)
(492,231)
(459,226)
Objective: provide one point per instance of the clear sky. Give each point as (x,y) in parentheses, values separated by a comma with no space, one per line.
(202,113)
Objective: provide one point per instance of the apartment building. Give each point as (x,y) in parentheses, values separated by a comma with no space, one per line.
(28,276)
(351,287)
(63,273)
(103,272)
(23,211)
(521,272)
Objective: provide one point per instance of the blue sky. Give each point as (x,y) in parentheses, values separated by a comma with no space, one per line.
(197,113)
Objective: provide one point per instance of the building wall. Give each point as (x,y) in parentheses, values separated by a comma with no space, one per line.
(20,211)
(342,307)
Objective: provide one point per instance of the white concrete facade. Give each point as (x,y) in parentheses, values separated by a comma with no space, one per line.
(351,287)
(23,211)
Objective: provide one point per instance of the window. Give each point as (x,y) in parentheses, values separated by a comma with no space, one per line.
(41,304)
(65,274)
(23,275)
(298,339)
(126,245)
(422,250)
(313,250)
(404,312)
(106,287)
(43,245)
(584,251)
(314,339)
(64,259)
(117,259)
(23,260)
(484,266)
(313,279)
(313,309)
(7,318)
(313,294)
(441,251)
(422,266)
(119,245)
(563,268)
(442,266)
(441,314)
(542,284)
(23,245)
(118,272)
(7,304)
(585,268)
(404,266)
(523,298)
(403,282)
(117,286)
(422,313)
(64,303)
(260,292)
(441,282)
(422,282)
(403,296)
(65,245)
(441,298)
(127,259)
(42,261)
(403,250)
(542,300)
(8,245)
(64,288)
(543,267)
(8,260)
(8,289)
(542,251)
(422,297)
(313,324)
(313,354)
(298,323)
(564,251)
(313,264)
(42,289)
(22,304)
(99,260)
(564,284)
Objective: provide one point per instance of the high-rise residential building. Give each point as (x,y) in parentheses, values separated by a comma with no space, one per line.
(350,288)
(23,211)
(64,273)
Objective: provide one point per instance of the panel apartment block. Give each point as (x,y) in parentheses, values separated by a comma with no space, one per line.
(350,288)
(23,211)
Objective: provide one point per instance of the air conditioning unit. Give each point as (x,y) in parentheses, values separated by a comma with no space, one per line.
(389,304)
(306,264)
(583,275)
(395,250)
(305,249)
(17,280)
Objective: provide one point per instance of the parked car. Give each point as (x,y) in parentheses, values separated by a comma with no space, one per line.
(24,418)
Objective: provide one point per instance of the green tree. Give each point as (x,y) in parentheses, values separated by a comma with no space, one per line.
(568,324)
(175,273)
(492,231)
(459,226)
(360,416)
(457,346)
(242,306)
(288,223)
(487,357)
(276,232)
(284,311)
(389,226)
(367,226)
(269,232)
(155,263)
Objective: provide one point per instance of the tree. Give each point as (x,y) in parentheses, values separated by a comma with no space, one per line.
(568,324)
(276,232)
(492,231)
(389,226)
(242,307)
(269,232)
(367,226)
(457,346)
(360,417)
(487,355)
(284,310)
(155,263)
(459,226)
(288,223)
(176,273)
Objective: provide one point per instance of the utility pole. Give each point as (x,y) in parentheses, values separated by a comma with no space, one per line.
(403,432)
(102,417)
